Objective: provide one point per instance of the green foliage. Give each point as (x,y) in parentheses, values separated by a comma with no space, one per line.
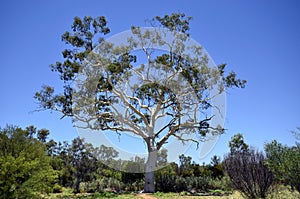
(25,167)
(82,41)
(189,177)
(175,22)
(76,162)
(185,164)
(237,144)
(284,161)
(133,171)
(57,188)
(173,183)
(281,191)
(87,169)
(223,183)
(216,167)
(101,185)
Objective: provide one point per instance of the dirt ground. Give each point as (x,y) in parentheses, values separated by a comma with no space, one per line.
(150,196)
(147,196)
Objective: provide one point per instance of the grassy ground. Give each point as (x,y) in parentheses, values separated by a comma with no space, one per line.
(138,196)
(278,193)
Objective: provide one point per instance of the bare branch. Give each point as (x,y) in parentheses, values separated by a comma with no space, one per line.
(166,126)
(183,140)
(166,137)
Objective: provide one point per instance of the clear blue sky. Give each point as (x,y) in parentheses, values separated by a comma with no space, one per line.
(259,40)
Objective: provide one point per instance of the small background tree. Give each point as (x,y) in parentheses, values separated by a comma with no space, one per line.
(216,167)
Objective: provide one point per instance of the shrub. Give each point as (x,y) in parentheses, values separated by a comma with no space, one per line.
(281,191)
(25,169)
(101,185)
(284,162)
(172,183)
(57,188)
(248,173)
(224,184)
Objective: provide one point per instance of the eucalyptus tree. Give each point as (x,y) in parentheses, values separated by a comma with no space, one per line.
(132,87)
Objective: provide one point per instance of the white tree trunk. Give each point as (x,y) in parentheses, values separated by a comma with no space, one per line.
(149,172)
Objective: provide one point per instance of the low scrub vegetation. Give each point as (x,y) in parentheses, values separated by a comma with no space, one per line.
(34,167)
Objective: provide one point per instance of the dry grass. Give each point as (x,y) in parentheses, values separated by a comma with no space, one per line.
(277,193)
(140,196)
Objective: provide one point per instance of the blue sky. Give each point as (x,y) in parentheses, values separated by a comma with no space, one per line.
(259,40)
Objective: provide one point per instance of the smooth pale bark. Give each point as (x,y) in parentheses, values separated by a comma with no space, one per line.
(149,172)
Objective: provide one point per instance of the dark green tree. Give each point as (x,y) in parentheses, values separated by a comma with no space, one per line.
(42,135)
(215,160)
(237,144)
(61,162)
(173,85)
(79,163)
(133,172)
(82,158)
(216,167)
(185,165)
(25,168)
(76,162)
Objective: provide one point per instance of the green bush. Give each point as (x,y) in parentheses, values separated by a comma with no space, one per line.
(223,184)
(26,170)
(284,162)
(101,185)
(172,183)
(281,191)
(57,188)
